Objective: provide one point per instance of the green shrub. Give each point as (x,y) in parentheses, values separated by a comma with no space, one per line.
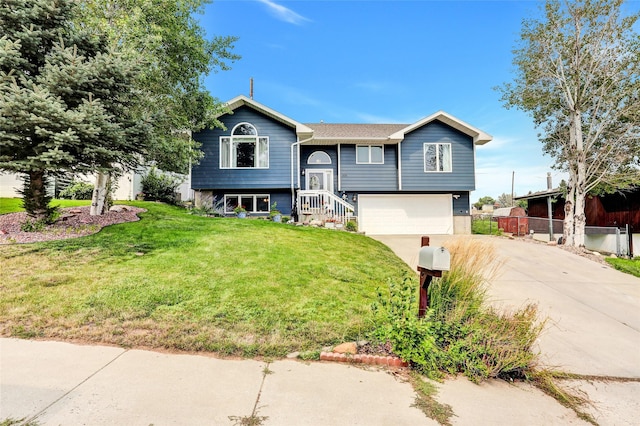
(33,225)
(397,322)
(351,226)
(459,333)
(77,190)
(158,186)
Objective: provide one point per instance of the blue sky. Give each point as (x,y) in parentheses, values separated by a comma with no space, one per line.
(388,62)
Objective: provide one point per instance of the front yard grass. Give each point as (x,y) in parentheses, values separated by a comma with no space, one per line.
(185,282)
(485,227)
(11,205)
(629,266)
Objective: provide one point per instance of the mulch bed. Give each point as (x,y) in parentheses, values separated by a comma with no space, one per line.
(73,222)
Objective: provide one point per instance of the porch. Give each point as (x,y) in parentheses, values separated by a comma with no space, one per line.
(323,206)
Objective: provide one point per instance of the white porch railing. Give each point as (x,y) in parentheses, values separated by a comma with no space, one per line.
(324,206)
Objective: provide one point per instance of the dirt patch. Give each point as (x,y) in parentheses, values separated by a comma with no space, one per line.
(74,222)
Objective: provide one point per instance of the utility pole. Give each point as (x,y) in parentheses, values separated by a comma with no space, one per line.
(513,178)
(549,208)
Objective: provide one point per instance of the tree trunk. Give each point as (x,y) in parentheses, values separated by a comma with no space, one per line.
(568,225)
(580,184)
(579,216)
(100,192)
(35,196)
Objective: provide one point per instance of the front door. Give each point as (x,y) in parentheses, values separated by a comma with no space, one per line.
(319,179)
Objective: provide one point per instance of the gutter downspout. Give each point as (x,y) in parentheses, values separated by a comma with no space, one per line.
(399,166)
(293,191)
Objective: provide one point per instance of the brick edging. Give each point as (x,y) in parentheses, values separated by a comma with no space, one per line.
(389,361)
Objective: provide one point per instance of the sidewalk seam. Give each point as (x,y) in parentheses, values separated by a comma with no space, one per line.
(264,378)
(35,416)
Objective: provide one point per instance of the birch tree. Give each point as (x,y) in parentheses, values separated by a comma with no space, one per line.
(167,37)
(578,76)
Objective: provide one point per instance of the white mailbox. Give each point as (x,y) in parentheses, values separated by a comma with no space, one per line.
(434,258)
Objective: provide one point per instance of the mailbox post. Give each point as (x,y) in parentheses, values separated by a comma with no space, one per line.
(431,262)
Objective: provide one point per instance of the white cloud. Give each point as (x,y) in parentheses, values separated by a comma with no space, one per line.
(283,13)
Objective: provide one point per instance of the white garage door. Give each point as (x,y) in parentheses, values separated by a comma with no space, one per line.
(405,214)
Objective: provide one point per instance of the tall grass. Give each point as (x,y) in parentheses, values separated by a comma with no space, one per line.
(460,333)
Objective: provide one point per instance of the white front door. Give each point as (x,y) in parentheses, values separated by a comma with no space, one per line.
(319,179)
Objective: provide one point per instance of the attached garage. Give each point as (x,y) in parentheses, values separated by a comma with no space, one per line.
(380,214)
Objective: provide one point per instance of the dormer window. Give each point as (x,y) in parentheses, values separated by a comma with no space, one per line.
(244,148)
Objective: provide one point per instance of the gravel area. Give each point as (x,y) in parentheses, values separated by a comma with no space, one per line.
(73,222)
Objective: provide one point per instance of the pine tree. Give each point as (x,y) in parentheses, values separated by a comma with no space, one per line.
(66,98)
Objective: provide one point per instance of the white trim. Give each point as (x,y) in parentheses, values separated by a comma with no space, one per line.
(233,151)
(238,101)
(400,167)
(339,167)
(369,153)
(438,165)
(244,123)
(327,176)
(479,137)
(318,151)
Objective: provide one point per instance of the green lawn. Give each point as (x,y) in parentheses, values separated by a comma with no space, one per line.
(484,227)
(10,205)
(629,266)
(174,280)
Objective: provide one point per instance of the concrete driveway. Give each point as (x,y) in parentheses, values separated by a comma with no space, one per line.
(593,316)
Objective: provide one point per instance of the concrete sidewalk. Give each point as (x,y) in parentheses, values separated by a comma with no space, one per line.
(67,384)
(56,383)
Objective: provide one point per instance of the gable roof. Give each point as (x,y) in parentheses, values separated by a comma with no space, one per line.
(329,133)
(479,137)
(235,103)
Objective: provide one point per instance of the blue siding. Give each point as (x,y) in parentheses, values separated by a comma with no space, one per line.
(369,177)
(462,177)
(208,175)
(461,205)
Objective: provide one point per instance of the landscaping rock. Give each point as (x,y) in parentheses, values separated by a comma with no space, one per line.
(346,348)
(66,217)
(293,355)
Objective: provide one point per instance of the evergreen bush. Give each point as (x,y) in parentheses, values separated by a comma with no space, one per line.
(77,190)
(158,186)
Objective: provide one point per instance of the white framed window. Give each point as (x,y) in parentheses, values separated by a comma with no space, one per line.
(437,157)
(244,149)
(253,203)
(369,154)
(319,157)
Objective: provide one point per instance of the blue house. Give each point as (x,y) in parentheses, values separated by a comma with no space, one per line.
(390,178)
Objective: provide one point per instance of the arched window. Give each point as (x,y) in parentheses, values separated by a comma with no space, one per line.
(244,148)
(319,157)
(244,129)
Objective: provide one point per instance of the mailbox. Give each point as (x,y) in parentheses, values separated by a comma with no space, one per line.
(434,258)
